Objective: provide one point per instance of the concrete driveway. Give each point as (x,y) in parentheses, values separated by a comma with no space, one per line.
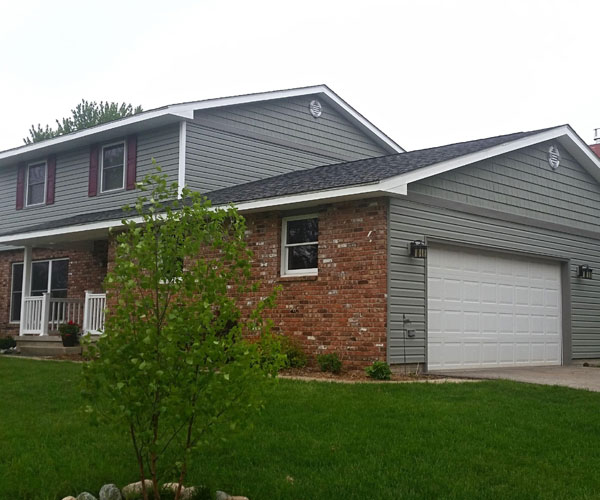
(576,376)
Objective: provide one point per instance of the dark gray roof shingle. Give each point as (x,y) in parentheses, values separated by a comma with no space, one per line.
(338,175)
(355,172)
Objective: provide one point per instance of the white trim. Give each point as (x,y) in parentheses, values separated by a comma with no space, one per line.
(12,292)
(108,145)
(88,132)
(395,186)
(186,110)
(284,246)
(26,283)
(182,152)
(438,168)
(36,164)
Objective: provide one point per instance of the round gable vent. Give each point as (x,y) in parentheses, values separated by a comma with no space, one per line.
(315,108)
(553,157)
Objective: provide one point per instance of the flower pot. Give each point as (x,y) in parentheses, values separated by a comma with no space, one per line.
(69,340)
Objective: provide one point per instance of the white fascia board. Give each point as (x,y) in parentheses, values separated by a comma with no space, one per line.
(445,166)
(182,151)
(282,94)
(142,117)
(59,231)
(394,186)
(314,196)
(186,111)
(366,190)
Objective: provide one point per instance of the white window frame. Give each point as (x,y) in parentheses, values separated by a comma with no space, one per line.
(12,281)
(284,248)
(36,164)
(12,292)
(104,146)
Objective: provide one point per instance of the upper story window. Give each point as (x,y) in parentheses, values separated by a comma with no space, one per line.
(36,184)
(300,245)
(112,167)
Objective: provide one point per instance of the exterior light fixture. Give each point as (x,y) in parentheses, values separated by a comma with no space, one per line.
(584,272)
(418,249)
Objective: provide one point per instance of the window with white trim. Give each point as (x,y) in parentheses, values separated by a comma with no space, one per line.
(36,183)
(112,167)
(300,245)
(47,276)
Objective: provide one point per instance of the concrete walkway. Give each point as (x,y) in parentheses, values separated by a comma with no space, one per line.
(576,376)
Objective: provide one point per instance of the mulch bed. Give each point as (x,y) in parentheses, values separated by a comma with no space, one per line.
(312,373)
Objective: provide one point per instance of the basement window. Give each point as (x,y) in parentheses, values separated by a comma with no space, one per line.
(300,245)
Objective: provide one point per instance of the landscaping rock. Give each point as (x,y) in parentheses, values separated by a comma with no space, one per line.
(186,493)
(69,498)
(221,495)
(110,492)
(86,496)
(133,488)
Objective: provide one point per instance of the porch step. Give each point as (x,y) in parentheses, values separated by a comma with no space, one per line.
(50,345)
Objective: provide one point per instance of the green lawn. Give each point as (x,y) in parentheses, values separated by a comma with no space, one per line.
(474,440)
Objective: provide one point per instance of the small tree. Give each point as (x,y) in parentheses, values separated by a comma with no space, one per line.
(86,114)
(174,363)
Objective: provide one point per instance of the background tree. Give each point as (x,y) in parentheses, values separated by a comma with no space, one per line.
(86,114)
(174,363)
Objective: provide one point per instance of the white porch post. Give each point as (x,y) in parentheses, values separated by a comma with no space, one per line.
(26,285)
(45,313)
(86,313)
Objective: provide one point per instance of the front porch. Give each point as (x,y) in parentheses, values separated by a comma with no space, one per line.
(54,285)
(42,315)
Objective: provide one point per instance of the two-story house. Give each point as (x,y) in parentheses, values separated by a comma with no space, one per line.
(468,255)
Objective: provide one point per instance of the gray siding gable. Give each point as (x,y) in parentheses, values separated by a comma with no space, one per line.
(522,183)
(238,144)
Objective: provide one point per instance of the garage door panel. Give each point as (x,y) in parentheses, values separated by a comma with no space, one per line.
(492,310)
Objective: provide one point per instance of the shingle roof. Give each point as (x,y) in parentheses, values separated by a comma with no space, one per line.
(366,171)
(356,172)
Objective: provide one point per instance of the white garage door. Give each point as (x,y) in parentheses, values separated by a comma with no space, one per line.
(489,310)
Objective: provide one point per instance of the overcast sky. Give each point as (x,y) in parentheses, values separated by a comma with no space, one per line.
(425,72)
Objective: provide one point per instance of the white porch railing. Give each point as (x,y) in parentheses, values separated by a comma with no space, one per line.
(63,311)
(93,316)
(32,312)
(43,314)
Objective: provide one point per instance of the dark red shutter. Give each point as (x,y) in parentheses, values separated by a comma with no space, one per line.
(20,185)
(93,180)
(131,161)
(51,181)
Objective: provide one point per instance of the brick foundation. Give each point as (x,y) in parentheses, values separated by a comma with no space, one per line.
(87,269)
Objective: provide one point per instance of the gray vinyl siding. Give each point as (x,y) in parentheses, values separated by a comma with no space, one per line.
(512,185)
(238,144)
(522,183)
(72,174)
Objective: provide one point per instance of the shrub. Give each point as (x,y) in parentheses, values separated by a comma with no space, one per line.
(379,370)
(7,343)
(329,362)
(174,365)
(296,357)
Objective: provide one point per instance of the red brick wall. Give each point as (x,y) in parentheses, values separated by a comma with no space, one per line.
(344,308)
(87,269)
